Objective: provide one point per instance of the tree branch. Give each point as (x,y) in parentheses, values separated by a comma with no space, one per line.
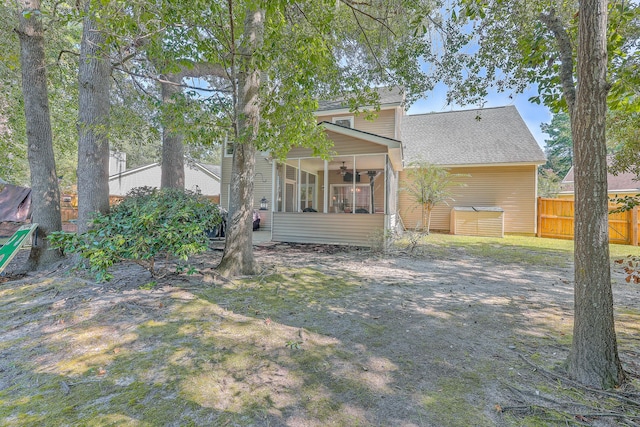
(378,20)
(166,81)
(366,39)
(554,24)
(63,51)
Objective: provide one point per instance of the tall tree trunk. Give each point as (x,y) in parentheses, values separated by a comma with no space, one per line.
(45,194)
(238,251)
(93,143)
(594,354)
(172,140)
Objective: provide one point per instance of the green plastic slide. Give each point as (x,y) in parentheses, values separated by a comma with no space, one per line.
(11,248)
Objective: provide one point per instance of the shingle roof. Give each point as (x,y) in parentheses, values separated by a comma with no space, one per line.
(623,182)
(214,169)
(388,96)
(479,136)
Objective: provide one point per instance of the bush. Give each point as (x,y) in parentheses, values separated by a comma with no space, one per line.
(147,224)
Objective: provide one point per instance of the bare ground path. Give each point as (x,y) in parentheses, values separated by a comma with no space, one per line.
(448,337)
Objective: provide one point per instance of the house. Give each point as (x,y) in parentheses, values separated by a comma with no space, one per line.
(623,184)
(356,194)
(493,146)
(197,177)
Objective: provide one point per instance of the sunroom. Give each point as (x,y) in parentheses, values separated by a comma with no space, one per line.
(345,200)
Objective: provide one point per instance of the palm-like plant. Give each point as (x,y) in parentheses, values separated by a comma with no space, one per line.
(430,185)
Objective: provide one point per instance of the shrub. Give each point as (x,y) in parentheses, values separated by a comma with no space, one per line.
(147,224)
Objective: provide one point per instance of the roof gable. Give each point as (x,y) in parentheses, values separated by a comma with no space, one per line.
(211,170)
(623,182)
(470,137)
(393,146)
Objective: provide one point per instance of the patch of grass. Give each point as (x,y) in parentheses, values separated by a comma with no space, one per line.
(286,291)
(511,248)
(456,401)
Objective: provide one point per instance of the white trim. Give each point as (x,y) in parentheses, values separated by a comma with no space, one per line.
(386,188)
(325,186)
(132,171)
(359,134)
(485,165)
(351,120)
(298,187)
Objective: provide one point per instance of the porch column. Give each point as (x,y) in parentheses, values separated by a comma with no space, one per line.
(386,184)
(325,207)
(274,185)
(298,188)
(353,187)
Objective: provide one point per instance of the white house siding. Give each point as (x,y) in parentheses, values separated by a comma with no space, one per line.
(149,176)
(383,124)
(513,188)
(312,227)
(121,184)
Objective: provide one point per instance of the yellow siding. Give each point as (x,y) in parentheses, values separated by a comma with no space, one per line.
(311,227)
(510,187)
(343,145)
(383,124)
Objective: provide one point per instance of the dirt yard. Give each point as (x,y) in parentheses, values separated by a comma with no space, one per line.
(445,336)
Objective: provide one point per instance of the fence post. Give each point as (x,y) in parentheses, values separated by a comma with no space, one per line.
(539,219)
(634,226)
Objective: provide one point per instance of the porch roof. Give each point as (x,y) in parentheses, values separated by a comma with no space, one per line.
(393,145)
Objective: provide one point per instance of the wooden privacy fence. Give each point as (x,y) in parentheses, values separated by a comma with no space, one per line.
(555,220)
(69,208)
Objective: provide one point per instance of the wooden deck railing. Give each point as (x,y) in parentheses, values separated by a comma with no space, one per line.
(556,220)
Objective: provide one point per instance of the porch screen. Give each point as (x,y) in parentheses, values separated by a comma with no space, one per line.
(342,198)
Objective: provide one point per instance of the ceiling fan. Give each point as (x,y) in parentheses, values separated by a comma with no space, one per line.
(343,169)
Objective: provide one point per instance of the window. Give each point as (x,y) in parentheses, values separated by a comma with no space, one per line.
(344,121)
(342,198)
(228,148)
(307,191)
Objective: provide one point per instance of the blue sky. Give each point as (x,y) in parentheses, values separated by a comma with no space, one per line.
(532,114)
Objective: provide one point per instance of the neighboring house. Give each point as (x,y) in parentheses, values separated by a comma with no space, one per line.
(356,194)
(197,177)
(623,184)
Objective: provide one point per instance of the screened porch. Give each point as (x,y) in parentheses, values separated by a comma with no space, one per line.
(343,200)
